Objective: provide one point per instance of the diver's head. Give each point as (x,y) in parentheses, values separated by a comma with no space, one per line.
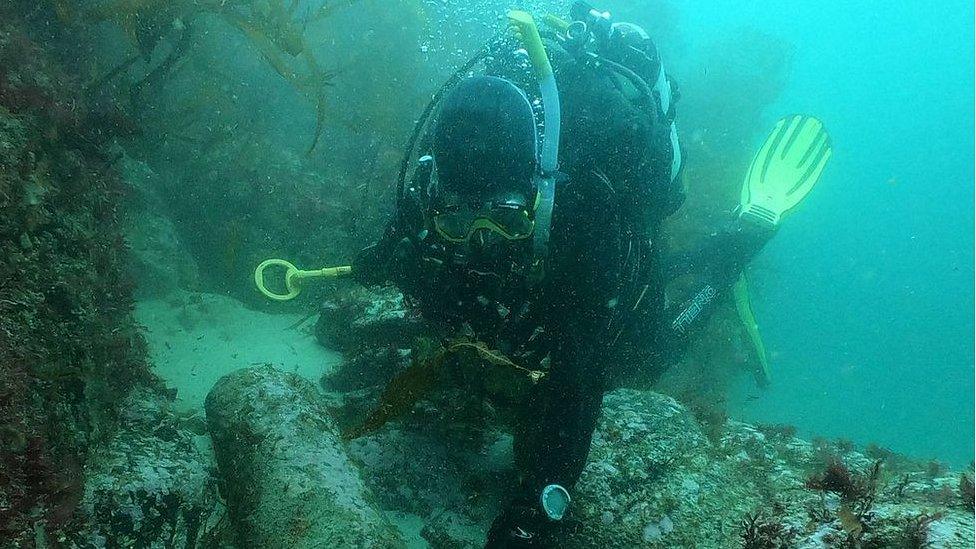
(482,190)
(484,140)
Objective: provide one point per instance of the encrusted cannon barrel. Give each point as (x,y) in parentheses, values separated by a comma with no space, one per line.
(284,471)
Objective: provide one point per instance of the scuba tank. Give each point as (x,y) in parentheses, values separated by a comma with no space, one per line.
(628,50)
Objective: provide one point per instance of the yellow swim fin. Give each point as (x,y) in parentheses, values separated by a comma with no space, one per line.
(740,293)
(784,170)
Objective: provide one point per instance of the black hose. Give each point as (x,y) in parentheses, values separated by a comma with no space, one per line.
(428,110)
(634,78)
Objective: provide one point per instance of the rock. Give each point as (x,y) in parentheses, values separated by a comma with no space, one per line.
(450,530)
(414,471)
(375,333)
(367,319)
(426,466)
(654,480)
(638,487)
(158,258)
(371,368)
(284,471)
(152,484)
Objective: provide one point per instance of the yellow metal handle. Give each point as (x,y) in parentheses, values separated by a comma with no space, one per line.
(524,26)
(292,277)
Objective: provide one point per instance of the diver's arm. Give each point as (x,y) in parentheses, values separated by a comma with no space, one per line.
(720,258)
(556,428)
(558,419)
(394,257)
(562,414)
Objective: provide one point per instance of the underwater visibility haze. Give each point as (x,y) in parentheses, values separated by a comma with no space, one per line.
(448,273)
(885,341)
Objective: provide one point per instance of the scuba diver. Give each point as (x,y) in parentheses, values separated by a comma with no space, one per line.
(574,284)
(560,265)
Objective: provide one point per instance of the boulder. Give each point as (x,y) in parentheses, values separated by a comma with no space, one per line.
(648,480)
(283,468)
(653,479)
(367,319)
(158,260)
(152,483)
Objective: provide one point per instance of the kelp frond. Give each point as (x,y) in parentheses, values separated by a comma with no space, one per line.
(419,378)
(493,357)
(273,27)
(269,41)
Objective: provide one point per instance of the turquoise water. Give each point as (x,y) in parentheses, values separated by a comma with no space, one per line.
(153,153)
(866,296)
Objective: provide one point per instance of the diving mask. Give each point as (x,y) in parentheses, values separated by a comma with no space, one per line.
(509,218)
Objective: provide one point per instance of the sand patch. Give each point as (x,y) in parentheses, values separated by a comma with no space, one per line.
(196,338)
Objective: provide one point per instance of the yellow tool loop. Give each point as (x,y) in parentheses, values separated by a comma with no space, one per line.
(292,277)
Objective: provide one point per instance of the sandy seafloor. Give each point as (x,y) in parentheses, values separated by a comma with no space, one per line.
(196,338)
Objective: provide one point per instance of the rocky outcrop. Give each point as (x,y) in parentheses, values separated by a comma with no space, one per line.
(152,484)
(647,472)
(654,479)
(70,351)
(367,321)
(158,260)
(283,468)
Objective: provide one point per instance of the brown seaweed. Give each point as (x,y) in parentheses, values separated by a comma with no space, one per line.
(423,374)
(273,28)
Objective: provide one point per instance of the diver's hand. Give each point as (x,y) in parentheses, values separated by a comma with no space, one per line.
(372,266)
(386,262)
(520,526)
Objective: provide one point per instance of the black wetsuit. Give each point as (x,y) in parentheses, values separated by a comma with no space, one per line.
(599,311)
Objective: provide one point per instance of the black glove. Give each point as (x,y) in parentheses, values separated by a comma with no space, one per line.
(372,266)
(521,525)
(389,260)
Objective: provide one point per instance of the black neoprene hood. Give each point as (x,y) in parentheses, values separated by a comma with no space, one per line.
(485,140)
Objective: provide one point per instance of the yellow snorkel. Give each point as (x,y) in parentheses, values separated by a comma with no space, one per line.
(293,277)
(525,28)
